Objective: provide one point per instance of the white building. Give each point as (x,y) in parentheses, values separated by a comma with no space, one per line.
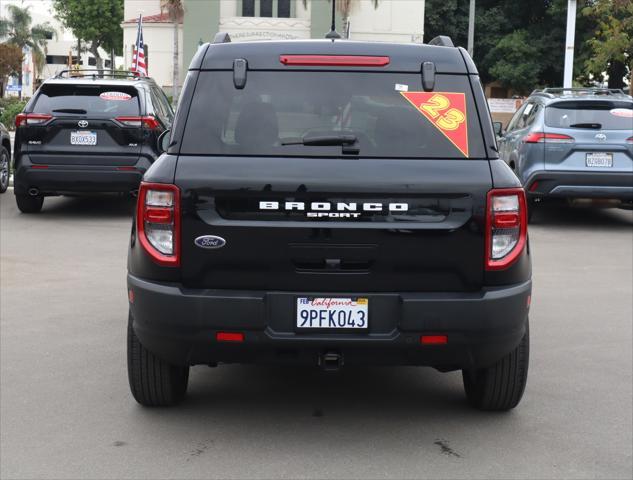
(390,20)
(59,47)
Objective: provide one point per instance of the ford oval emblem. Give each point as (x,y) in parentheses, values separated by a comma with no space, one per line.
(210,241)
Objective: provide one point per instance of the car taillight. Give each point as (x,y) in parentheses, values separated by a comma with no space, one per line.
(22,119)
(506,227)
(158,222)
(629,140)
(540,137)
(146,121)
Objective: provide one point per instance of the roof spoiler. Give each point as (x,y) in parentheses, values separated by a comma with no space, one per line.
(442,41)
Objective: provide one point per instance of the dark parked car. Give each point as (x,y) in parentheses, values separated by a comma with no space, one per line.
(573,144)
(5,158)
(87,134)
(330,203)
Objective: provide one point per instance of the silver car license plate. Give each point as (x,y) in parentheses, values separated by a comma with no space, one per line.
(332,313)
(599,160)
(83,137)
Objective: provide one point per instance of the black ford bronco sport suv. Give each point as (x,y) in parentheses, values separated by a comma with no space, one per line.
(87,132)
(330,203)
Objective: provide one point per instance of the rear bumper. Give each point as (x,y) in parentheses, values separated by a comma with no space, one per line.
(607,185)
(60,179)
(180,325)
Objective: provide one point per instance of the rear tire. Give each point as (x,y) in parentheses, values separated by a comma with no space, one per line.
(4,169)
(153,382)
(500,386)
(29,204)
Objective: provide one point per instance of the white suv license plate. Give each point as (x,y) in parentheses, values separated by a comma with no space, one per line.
(332,313)
(81,137)
(599,160)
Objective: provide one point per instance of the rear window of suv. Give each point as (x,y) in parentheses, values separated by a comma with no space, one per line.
(102,100)
(388,113)
(607,115)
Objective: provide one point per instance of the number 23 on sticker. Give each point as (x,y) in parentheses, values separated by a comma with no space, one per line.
(450,119)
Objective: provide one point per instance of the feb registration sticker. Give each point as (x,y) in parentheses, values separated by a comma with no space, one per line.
(332,313)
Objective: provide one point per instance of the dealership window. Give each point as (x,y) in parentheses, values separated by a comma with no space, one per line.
(266,8)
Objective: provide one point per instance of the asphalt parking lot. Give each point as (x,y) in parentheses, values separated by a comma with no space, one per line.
(66,411)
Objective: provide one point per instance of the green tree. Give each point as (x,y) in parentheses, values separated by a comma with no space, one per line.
(18,30)
(97,22)
(611,45)
(10,62)
(520,44)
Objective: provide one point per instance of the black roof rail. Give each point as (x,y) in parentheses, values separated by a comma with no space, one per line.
(221,37)
(580,90)
(95,73)
(442,41)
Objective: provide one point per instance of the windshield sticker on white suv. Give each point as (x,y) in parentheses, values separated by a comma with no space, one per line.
(622,112)
(117,96)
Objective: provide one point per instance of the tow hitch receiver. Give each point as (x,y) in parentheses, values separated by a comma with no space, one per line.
(331,361)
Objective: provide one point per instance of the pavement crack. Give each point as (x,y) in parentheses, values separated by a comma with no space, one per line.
(446,449)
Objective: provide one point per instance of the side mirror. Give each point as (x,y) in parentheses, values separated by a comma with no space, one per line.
(498,128)
(162,144)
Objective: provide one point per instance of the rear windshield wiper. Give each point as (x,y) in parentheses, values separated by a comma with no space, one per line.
(324,140)
(347,141)
(597,126)
(78,111)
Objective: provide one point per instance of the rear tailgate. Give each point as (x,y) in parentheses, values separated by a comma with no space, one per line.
(404,214)
(83,128)
(593,136)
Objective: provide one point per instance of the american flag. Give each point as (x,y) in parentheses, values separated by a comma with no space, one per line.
(138,55)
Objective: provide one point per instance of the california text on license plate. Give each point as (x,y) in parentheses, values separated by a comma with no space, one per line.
(83,138)
(599,160)
(335,313)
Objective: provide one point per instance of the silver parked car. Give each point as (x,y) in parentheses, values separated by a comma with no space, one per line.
(572,143)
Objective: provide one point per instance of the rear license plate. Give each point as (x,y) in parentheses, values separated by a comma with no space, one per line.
(81,137)
(332,313)
(599,160)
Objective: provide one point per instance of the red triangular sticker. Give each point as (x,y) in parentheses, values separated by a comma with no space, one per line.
(446,111)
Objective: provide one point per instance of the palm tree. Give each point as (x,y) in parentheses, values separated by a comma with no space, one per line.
(175,10)
(19,31)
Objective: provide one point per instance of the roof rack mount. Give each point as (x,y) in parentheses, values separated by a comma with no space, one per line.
(95,73)
(442,41)
(553,91)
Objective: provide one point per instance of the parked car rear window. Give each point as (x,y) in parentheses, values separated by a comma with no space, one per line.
(379,109)
(609,115)
(106,100)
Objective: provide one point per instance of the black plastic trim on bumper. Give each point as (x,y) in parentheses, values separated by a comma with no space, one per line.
(179,325)
(561,184)
(55,179)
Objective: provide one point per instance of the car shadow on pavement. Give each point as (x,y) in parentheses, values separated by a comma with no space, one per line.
(565,216)
(93,206)
(252,394)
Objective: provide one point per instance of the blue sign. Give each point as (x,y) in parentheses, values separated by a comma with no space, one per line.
(14,88)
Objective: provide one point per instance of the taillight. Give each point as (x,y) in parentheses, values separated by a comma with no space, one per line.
(146,121)
(506,227)
(540,137)
(334,60)
(629,140)
(22,119)
(158,222)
